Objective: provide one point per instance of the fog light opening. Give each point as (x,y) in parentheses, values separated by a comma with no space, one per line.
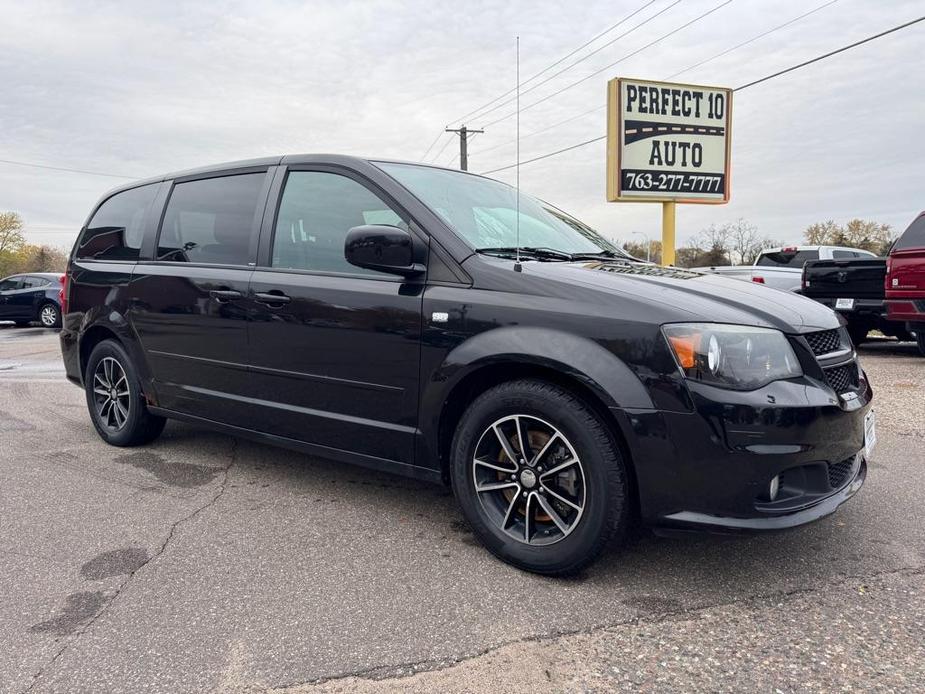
(774,487)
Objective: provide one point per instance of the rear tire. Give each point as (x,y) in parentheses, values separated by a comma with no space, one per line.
(115,399)
(920,340)
(50,315)
(539,511)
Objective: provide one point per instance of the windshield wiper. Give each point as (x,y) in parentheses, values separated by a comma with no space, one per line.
(537,252)
(601,254)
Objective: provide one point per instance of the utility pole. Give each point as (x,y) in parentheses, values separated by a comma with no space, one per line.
(463,133)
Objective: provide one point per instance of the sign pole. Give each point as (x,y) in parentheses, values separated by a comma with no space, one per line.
(668,210)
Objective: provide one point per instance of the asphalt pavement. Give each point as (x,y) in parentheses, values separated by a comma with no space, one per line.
(206,563)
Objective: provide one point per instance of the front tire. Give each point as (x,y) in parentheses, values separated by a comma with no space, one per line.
(920,340)
(552,506)
(115,400)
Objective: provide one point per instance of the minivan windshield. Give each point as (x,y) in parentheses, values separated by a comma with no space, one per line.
(484,213)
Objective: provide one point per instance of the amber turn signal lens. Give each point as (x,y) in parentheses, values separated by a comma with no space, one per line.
(685,347)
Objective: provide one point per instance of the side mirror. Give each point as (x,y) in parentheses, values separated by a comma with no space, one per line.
(382,248)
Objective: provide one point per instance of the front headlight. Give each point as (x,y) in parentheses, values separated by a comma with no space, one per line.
(732,356)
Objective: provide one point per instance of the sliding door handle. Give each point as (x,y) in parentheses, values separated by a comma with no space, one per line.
(272,298)
(222,295)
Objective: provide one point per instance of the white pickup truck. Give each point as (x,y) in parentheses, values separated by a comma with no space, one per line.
(782,268)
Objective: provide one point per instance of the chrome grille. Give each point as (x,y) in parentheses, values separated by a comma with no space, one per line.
(824,341)
(843,378)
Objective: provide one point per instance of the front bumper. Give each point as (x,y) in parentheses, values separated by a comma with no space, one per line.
(711,469)
(817,510)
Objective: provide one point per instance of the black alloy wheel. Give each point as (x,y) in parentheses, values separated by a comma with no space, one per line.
(529,479)
(115,399)
(539,476)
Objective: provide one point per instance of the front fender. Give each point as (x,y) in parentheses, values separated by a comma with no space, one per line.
(579,357)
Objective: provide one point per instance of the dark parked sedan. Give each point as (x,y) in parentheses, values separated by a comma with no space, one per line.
(34,297)
(439,324)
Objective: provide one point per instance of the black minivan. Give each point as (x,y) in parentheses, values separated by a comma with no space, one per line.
(438,324)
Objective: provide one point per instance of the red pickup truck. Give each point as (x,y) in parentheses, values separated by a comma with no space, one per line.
(905,280)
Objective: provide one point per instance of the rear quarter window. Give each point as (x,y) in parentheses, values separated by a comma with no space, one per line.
(117,228)
(913,237)
(794,259)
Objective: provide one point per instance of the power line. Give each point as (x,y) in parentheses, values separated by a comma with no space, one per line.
(540,131)
(752,39)
(436,139)
(560,60)
(691,67)
(607,67)
(549,67)
(442,149)
(737,89)
(831,53)
(544,156)
(62,168)
(482,114)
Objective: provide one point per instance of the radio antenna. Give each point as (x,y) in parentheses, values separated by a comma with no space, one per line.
(517,265)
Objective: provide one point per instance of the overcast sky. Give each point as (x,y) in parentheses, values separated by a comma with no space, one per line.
(141,88)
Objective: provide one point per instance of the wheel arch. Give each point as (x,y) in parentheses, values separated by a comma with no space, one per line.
(90,339)
(562,359)
(490,375)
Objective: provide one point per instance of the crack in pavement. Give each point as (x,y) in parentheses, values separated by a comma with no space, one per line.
(69,641)
(406,670)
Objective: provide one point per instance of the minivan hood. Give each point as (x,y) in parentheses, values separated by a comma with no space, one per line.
(685,295)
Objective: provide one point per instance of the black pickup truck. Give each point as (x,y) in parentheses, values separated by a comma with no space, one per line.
(855,289)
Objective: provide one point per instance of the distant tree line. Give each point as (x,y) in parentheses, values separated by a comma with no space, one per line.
(739,242)
(17,256)
(732,243)
(857,233)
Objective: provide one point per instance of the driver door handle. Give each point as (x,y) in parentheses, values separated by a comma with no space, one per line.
(221,295)
(273,297)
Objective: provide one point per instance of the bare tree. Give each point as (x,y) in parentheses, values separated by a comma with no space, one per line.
(711,245)
(744,242)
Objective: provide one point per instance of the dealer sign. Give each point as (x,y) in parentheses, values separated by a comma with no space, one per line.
(667,142)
